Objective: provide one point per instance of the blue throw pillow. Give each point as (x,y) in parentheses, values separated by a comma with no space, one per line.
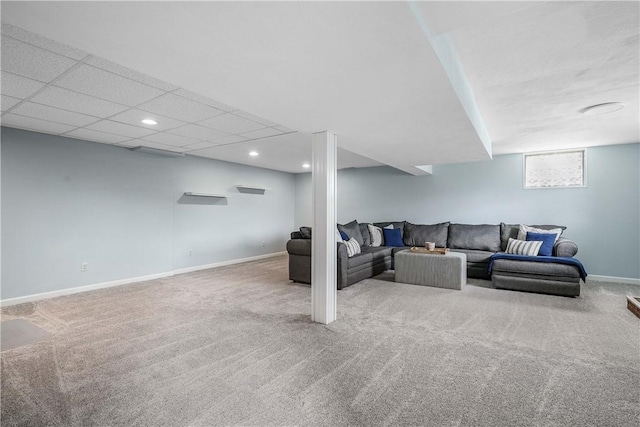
(393,237)
(547,239)
(344,236)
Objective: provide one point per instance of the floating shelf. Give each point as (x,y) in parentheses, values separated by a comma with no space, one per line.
(217,196)
(251,189)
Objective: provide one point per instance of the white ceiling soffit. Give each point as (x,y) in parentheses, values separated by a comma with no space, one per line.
(54,88)
(364,70)
(535,65)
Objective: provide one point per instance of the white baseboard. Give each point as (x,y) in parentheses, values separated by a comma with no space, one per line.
(625,280)
(87,288)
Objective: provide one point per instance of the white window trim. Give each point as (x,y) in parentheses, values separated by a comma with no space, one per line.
(584,169)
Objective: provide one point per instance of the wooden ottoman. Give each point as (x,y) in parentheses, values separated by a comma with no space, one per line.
(438,270)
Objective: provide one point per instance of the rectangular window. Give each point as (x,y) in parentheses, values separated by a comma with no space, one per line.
(556,169)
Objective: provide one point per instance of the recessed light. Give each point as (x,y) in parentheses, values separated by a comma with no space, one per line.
(306,165)
(604,108)
(253,153)
(149,122)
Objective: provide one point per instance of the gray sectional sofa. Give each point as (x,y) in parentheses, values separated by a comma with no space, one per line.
(477,242)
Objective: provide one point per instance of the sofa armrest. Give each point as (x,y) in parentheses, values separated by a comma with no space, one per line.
(299,247)
(565,248)
(343,260)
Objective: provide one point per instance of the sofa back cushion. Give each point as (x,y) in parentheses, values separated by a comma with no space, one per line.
(352,229)
(364,231)
(482,237)
(418,234)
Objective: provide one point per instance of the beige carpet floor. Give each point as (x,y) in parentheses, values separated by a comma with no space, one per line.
(235,346)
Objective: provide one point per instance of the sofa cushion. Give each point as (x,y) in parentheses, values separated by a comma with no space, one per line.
(535,268)
(352,229)
(360,259)
(417,234)
(482,237)
(364,231)
(507,231)
(547,239)
(393,237)
(475,256)
(378,252)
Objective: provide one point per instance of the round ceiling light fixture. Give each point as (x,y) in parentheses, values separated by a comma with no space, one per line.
(253,153)
(306,165)
(149,122)
(604,108)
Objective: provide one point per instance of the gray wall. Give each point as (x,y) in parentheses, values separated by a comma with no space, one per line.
(602,218)
(66,201)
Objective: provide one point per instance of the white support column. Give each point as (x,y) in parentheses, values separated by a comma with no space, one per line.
(324,254)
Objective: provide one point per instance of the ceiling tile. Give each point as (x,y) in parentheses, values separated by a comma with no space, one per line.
(231,124)
(231,139)
(254,118)
(73,101)
(135,117)
(284,129)
(180,108)
(129,73)
(199,146)
(30,61)
(198,132)
(261,133)
(29,123)
(93,135)
(122,129)
(38,111)
(204,100)
(19,87)
(42,42)
(169,139)
(103,84)
(8,102)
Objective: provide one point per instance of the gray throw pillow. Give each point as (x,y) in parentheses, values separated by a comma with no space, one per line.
(364,231)
(482,237)
(418,234)
(305,232)
(352,229)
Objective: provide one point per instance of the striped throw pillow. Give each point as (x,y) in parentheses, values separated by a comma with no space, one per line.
(353,247)
(523,247)
(376,235)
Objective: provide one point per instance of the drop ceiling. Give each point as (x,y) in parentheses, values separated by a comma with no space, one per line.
(264,76)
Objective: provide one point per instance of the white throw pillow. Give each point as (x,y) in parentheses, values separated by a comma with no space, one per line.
(524,229)
(524,247)
(338,236)
(376,235)
(353,247)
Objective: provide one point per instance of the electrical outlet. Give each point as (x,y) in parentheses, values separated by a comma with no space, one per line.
(190,252)
(263,243)
(84,267)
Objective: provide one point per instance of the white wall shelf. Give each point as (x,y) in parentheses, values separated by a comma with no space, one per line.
(217,196)
(253,189)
